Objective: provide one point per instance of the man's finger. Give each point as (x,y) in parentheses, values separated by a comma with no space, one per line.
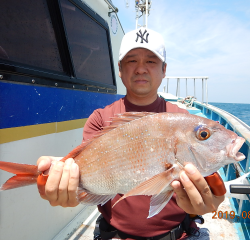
(53,182)
(181,194)
(199,185)
(44,162)
(194,195)
(63,185)
(73,184)
(182,198)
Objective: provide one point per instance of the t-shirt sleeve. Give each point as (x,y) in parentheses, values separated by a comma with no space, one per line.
(93,125)
(100,117)
(172,108)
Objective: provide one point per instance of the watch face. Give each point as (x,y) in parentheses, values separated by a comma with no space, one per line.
(114,24)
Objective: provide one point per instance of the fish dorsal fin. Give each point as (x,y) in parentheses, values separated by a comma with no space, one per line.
(130,116)
(122,118)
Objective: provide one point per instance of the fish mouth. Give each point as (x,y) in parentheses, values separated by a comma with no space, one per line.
(234,147)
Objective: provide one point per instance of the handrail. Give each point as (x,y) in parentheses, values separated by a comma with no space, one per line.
(111,6)
(178,86)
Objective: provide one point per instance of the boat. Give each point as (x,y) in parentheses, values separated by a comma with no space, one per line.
(47,93)
(232,219)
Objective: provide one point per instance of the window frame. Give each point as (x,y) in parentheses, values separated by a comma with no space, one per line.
(12,71)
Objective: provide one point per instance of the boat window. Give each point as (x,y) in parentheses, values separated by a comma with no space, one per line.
(27,35)
(61,43)
(88,42)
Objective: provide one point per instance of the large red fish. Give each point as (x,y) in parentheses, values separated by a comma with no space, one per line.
(141,154)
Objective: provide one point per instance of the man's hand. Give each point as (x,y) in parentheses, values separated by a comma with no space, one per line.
(62,183)
(193,194)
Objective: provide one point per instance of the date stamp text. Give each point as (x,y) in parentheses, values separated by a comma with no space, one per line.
(231,215)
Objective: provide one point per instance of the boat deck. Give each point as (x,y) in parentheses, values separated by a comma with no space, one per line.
(219,228)
(218,225)
(82,227)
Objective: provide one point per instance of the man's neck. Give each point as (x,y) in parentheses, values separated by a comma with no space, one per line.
(141,101)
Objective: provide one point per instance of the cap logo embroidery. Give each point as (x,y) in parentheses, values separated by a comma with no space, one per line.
(142,36)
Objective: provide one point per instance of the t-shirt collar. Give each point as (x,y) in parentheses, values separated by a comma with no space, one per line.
(130,107)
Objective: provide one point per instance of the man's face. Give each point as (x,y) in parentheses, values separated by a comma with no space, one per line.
(141,72)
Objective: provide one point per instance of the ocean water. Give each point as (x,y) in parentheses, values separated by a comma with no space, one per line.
(240,110)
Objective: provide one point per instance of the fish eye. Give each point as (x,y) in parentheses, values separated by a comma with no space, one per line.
(203,133)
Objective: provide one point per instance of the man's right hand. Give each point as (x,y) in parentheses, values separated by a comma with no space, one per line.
(63,180)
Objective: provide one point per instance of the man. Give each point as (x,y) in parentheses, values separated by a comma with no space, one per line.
(141,67)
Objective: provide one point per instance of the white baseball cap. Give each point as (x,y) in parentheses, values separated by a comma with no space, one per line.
(143,38)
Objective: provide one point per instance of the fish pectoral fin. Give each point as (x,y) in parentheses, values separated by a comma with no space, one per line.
(92,199)
(158,202)
(155,185)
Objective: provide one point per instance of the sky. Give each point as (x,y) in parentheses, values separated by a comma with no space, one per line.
(202,38)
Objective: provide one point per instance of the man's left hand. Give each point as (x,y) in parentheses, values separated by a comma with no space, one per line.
(193,193)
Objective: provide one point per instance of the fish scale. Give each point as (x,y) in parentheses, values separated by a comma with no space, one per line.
(135,146)
(122,168)
(141,154)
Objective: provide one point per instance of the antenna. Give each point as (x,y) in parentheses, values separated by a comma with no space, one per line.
(126,3)
(142,6)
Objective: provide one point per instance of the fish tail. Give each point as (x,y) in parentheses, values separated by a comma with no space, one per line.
(25,175)
(19,180)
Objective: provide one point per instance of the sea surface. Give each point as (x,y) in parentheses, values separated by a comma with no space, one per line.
(239,110)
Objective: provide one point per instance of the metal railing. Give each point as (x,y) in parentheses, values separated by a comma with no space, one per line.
(204,79)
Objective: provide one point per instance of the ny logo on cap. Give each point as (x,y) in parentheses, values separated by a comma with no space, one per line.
(142,36)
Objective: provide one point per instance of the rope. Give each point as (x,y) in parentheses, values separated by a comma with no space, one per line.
(188,101)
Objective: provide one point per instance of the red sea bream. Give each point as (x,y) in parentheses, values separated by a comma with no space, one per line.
(142,153)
